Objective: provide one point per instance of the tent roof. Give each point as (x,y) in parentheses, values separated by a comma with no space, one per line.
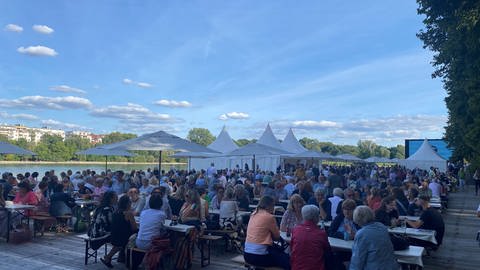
(426,152)
(378,159)
(100,151)
(159,141)
(291,144)
(223,143)
(7,148)
(256,149)
(269,139)
(312,154)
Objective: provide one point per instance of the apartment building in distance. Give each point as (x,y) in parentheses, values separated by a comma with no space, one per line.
(93,138)
(16,132)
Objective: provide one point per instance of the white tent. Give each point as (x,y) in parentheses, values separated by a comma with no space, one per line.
(378,160)
(267,158)
(269,139)
(223,144)
(424,158)
(291,144)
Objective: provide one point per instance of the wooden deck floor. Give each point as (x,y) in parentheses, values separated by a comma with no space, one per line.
(459,250)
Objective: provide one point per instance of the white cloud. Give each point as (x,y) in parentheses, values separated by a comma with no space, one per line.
(234,115)
(41,102)
(144,85)
(37,51)
(60,125)
(13,28)
(131,114)
(139,84)
(42,29)
(20,116)
(173,103)
(127,81)
(310,124)
(67,89)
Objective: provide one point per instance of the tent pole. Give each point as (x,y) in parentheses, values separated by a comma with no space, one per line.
(160,163)
(253,164)
(106,158)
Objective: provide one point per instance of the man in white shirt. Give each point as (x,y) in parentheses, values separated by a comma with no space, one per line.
(211,171)
(436,188)
(335,200)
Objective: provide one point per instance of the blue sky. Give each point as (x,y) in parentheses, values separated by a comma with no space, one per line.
(335,71)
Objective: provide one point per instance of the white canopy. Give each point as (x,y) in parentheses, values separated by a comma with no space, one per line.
(424,158)
(223,143)
(269,139)
(291,144)
(312,154)
(257,149)
(378,159)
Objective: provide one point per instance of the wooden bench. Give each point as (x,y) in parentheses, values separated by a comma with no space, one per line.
(39,223)
(228,235)
(206,240)
(129,252)
(89,251)
(239,259)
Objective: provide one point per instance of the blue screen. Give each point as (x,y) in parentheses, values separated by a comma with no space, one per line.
(411,146)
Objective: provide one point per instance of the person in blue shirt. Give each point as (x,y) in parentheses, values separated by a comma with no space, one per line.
(119,185)
(372,248)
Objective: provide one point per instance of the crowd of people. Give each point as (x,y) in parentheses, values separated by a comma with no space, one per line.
(361,201)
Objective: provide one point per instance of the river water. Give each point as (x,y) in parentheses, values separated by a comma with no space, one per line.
(63,167)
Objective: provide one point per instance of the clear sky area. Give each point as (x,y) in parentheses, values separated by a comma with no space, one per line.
(337,71)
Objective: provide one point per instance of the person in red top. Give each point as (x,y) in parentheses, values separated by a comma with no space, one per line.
(25,195)
(309,244)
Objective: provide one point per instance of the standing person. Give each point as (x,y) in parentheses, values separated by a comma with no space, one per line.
(122,227)
(476,177)
(309,244)
(261,231)
(372,247)
(3,215)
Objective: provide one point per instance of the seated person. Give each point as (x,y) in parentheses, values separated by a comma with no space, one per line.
(137,201)
(101,222)
(25,195)
(430,219)
(83,191)
(372,248)
(293,214)
(387,213)
(61,203)
(309,244)
(123,226)
(228,211)
(177,200)
(217,199)
(3,214)
(152,222)
(323,204)
(261,231)
(343,226)
(190,212)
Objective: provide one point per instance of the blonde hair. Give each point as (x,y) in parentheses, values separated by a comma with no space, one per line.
(295,198)
(154,181)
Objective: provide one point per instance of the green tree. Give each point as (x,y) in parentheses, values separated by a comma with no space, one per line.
(452,31)
(243,142)
(366,148)
(397,151)
(52,148)
(117,137)
(201,136)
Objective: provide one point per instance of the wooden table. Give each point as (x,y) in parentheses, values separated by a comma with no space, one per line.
(15,208)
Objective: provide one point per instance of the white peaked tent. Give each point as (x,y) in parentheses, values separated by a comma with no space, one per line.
(223,144)
(291,144)
(424,158)
(269,139)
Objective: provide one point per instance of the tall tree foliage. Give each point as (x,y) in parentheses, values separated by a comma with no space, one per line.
(452,32)
(201,136)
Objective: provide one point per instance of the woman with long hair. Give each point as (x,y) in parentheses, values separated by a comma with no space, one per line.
(293,215)
(122,227)
(262,230)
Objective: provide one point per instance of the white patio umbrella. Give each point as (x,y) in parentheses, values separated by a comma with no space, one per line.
(7,148)
(100,151)
(159,141)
